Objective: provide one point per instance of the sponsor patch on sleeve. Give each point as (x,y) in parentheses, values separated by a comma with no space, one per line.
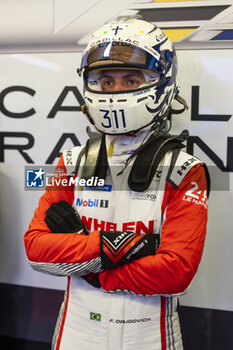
(183,164)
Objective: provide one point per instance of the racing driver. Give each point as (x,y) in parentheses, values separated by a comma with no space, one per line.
(131,245)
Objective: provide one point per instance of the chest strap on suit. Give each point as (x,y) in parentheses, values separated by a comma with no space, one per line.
(146,162)
(96,163)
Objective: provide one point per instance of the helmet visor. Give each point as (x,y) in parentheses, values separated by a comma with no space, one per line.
(121,52)
(119,79)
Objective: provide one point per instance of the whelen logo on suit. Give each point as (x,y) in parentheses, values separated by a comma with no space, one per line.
(102,203)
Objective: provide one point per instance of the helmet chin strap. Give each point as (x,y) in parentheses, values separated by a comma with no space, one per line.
(159,125)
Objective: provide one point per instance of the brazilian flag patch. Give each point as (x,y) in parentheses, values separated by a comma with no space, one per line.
(95,317)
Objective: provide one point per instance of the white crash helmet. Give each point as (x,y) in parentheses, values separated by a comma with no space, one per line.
(129,43)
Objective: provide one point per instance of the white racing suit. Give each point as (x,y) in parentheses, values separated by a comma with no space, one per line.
(135,308)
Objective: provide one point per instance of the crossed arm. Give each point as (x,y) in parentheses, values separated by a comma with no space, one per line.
(169,271)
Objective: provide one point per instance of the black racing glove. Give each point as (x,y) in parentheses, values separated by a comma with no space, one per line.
(119,248)
(62,218)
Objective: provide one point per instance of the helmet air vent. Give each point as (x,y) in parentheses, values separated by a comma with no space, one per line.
(141,99)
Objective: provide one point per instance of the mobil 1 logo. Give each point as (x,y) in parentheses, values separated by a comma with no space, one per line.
(92,203)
